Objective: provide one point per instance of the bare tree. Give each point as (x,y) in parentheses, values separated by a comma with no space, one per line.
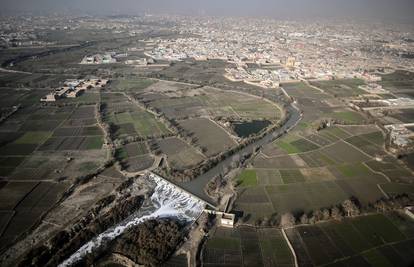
(304,219)
(317,215)
(336,214)
(326,214)
(350,208)
(287,220)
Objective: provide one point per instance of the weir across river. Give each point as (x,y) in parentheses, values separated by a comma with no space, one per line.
(207,201)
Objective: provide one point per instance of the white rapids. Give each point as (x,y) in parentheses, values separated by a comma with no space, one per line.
(166,201)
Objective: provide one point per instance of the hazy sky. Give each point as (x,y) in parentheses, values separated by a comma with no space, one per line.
(273,8)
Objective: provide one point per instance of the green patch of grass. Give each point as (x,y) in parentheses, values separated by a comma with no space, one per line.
(247,178)
(303,125)
(292,176)
(88,166)
(353,170)
(121,154)
(33,137)
(94,142)
(348,116)
(288,147)
(132,84)
(304,145)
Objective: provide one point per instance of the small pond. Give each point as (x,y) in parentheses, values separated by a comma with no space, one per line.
(246,128)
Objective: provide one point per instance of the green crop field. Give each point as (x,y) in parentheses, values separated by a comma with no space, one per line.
(94,142)
(294,144)
(354,170)
(341,87)
(292,176)
(33,137)
(142,123)
(131,84)
(247,178)
(348,116)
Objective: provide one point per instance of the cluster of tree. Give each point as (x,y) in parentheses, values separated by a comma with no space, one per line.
(395,202)
(323,124)
(213,187)
(66,242)
(152,242)
(367,104)
(348,208)
(149,244)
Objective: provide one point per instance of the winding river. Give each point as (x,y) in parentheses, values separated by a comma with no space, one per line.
(196,186)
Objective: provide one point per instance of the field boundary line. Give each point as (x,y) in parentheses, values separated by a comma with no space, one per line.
(357,148)
(225,130)
(314,87)
(370,249)
(290,247)
(305,138)
(377,172)
(306,152)
(382,191)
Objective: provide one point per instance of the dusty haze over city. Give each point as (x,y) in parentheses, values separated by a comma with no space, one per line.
(399,9)
(228,133)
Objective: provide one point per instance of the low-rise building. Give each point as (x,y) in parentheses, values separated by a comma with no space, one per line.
(227,220)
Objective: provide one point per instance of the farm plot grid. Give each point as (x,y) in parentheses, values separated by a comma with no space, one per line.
(127,119)
(337,168)
(373,240)
(247,246)
(342,87)
(214,103)
(135,157)
(208,135)
(179,154)
(22,204)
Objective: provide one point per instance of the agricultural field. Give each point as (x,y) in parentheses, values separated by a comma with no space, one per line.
(135,157)
(403,115)
(341,87)
(30,201)
(128,119)
(246,246)
(131,85)
(295,144)
(373,240)
(137,123)
(209,136)
(211,102)
(310,169)
(43,149)
(399,82)
(302,90)
(348,116)
(179,154)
